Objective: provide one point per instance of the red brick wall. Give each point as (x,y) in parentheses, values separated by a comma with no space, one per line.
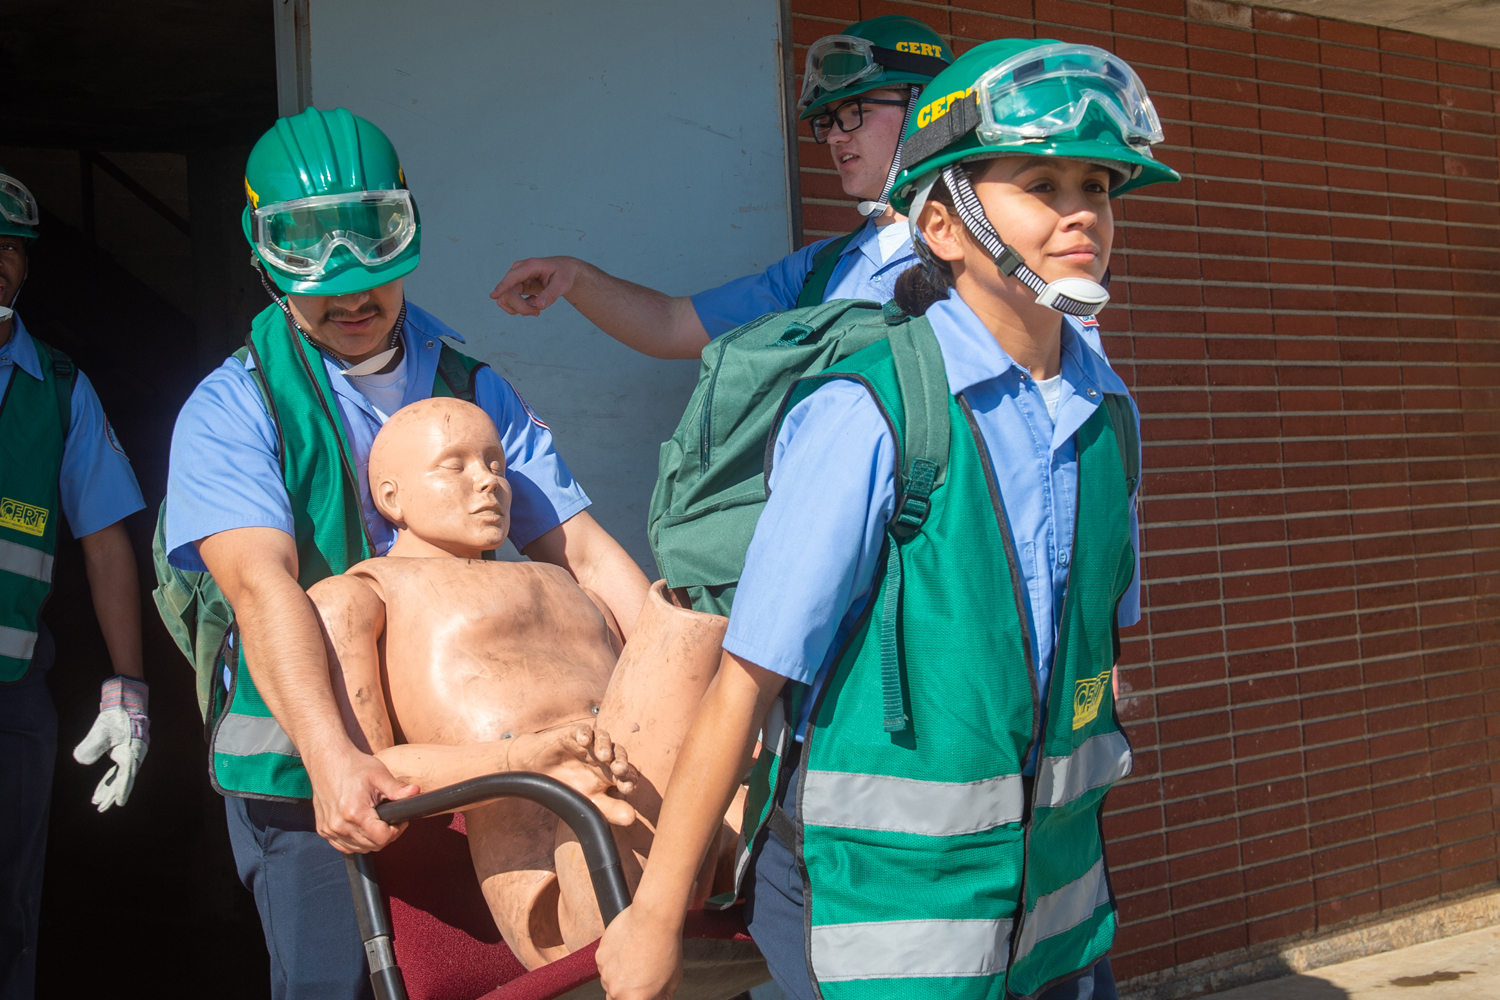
(1311,324)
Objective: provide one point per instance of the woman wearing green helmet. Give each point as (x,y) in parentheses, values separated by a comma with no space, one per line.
(929,822)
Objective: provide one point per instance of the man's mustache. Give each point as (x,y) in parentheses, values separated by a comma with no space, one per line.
(352,315)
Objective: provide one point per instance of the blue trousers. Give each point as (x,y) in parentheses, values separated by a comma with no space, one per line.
(28,748)
(301,890)
(774,914)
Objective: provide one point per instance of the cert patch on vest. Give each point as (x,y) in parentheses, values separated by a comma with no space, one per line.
(23,516)
(1088,695)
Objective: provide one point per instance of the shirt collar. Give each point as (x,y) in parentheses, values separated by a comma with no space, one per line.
(21,350)
(422,337)
(971,354)
(867,242)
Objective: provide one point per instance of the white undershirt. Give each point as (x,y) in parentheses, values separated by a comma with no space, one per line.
(1051,389)
(385,392)
(892,238)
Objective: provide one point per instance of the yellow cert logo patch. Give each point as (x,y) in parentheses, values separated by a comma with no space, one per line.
(23,516)
(1088,695)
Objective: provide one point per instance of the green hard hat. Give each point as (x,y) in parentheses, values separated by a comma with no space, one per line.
(888,51)
(1016,97)
(327,208)
(19,215)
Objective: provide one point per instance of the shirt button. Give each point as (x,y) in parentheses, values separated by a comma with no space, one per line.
(1091,392)
(429,343)
(1062,557)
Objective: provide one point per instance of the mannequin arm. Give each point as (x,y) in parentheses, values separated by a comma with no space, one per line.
(352,617)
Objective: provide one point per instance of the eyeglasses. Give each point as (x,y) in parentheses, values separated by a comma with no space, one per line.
(847,116)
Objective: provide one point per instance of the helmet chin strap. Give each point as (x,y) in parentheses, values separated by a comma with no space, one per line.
(1074,296)
(871,208)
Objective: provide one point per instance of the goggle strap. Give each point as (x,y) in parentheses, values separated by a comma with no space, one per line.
(879,205)
(940,133)
(908,62)
(972,213)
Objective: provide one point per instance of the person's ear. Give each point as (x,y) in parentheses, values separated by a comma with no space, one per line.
(942,230)
(387,497)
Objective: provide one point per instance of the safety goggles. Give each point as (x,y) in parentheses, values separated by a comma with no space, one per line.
(300,236)
(835,62)
(16,203)
(1046,91)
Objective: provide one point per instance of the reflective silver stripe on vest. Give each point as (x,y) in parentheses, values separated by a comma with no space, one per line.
(23,560)
(910,949)
(15,643)
(906,805)
(776,734)
(1064,909)
(247,735)
(1098,761)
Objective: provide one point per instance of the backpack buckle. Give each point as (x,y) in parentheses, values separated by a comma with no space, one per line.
(914,505)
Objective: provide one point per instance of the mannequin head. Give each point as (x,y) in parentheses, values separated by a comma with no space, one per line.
(437,472)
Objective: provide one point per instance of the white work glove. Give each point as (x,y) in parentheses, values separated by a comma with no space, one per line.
(123,731)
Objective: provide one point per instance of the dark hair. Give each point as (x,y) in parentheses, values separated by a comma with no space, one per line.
(930,279)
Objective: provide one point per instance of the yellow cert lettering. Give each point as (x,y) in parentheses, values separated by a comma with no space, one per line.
(1088,695)
(23,517)
(924,117)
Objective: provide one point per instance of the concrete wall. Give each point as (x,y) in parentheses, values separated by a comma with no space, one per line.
(645,138)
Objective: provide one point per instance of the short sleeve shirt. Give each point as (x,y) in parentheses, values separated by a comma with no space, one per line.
(859,274)
(97,485)
(812,561)
(225,468)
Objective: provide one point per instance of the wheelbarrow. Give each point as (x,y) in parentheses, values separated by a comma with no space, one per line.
(428,933)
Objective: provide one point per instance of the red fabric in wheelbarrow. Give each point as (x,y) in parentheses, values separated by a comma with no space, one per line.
(446,942)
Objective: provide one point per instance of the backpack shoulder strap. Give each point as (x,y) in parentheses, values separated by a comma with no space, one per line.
(64,374)
(1127,436)
(923,382)
(824,261)
(257,375)
(456,372)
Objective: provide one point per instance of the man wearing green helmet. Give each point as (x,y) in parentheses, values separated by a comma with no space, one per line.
(57,453)
(268,494)
(860,89)
(940,659)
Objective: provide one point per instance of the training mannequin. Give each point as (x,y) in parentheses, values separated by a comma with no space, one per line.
(447,666)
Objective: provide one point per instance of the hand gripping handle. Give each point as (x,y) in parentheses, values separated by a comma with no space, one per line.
(572,807)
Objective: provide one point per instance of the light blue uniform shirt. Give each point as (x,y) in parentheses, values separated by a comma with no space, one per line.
(97,485)
(859,274)
(813,559)
(225,470)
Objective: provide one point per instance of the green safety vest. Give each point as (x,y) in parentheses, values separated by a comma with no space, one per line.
(35,415)
(815,285)
(928,871)
(250,754)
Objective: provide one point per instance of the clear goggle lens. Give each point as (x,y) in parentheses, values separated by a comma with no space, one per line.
(300,236)
(835,62)
(16,203)
(1049,90)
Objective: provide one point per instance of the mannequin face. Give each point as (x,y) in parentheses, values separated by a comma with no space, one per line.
(1054,212)
(437,471)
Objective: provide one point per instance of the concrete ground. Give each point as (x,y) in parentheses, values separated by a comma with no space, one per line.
(1466,967)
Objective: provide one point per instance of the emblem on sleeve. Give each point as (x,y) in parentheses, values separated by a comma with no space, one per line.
(23,517)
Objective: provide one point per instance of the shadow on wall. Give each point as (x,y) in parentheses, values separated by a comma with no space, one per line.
(1270,978)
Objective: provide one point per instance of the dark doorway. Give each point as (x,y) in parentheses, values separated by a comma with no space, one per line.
(130,123)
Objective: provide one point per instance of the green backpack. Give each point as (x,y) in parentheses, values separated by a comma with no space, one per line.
(193,608)
(711,483)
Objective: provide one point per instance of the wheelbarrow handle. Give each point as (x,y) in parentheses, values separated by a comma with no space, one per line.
(571,806)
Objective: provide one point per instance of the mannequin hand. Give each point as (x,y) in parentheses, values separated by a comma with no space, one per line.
(639,958)
(533,284)
(124,732)
(584,757)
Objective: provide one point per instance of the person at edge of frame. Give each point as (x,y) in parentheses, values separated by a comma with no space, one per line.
(58,453)
(334,229)
(859,90)
(958,774)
